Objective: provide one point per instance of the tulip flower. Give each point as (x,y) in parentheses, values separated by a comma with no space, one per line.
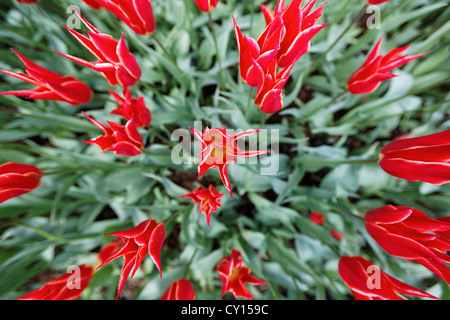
(208,200)
(425,158)
(67,287)
(317,218)
(269,94)
(256,55)
(409,233)
(300,24)
(115,62)
(93,4)
(17,179)
(368,282)
(180,289)
(70,285)
(258,65)
(446,233)
(336,234)
(148,236)
(136,14)
(375,2)
(28,1)
(219,149)
(130,107)
(234,276)
(122,139)
(376,69)
(49,85)
(206,5)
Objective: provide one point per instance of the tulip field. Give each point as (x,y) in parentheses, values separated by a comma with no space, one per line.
(224,150)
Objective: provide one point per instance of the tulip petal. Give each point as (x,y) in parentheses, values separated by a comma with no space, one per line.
(434,173)
(155,244)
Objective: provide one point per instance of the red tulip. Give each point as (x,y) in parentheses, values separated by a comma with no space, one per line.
(148,236)
(336,234)
(136,14)
(368,282)
(117,64)
(17,179)
(130,107)
(317,218)
(376,69)
(377,1)
(59,289)
(49,85)
(409,233)
(285,39)
(234,276)
(70,285)
(258,54)
(258,65)
(93,4)
(208,200)
(180,289)
(206,5)
(219,149)
(122,139)
(269,94)
(425,158)
(300,28)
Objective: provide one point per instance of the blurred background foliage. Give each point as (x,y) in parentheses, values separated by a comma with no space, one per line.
(325,138)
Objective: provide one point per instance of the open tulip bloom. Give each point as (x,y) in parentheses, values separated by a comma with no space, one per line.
(368,282)
(115,62)
(425,158)
(147,237)
(49,85)
(17,179)
(122,139)
(409,233)
(219,149)
(377,68)
(130,107)
(234,276)
(208,200)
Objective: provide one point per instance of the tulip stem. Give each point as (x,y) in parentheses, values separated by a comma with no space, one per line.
(77,169)
(52,237)
(286,268)
(357,17)
(336,163)
(186,270)
(166,52)
(336,208)
(161,96)
(247,110)
(216,46)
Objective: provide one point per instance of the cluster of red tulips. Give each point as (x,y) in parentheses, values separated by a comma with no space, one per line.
(265,63)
